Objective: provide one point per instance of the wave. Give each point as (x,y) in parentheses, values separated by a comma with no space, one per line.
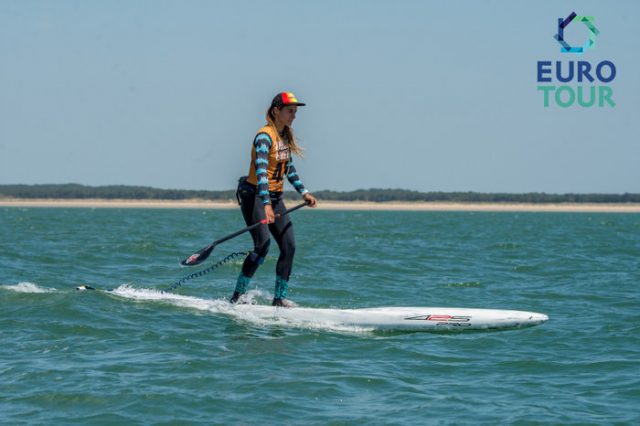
(27,287)
(252,312)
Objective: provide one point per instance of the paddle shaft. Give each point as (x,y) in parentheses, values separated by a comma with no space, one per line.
(255,225)
(201,255)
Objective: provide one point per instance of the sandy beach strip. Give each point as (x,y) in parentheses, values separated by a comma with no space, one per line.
(330,205)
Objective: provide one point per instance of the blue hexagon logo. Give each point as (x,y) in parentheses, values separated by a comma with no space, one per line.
(588,22)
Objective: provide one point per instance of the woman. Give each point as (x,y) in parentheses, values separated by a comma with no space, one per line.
(260,196)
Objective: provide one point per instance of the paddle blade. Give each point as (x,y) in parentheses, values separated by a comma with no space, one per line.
(199,257)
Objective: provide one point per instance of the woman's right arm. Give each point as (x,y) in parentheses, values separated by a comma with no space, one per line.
(262,144)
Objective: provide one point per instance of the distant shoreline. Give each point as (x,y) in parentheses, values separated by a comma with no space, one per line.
(331,205)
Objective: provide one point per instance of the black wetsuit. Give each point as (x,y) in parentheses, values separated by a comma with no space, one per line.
(282,231)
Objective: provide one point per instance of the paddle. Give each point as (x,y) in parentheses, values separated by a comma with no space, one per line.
(201,256)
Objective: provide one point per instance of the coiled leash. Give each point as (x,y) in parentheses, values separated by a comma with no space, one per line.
(205,271)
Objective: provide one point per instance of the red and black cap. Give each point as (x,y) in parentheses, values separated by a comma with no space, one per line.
(284,99)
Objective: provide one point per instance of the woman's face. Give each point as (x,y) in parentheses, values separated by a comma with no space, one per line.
(285,115)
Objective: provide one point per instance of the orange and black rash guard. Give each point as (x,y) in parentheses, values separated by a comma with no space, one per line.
(270,162)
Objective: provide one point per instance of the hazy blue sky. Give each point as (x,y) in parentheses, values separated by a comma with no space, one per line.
(424,95)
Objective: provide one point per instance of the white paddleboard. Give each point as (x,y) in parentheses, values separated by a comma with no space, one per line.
(403,318)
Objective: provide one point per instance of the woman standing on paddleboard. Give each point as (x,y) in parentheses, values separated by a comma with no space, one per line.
(260,195)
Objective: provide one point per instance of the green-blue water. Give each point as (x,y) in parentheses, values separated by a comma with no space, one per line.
(69,357)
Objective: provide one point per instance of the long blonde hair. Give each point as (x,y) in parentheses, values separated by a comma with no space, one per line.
(289,137)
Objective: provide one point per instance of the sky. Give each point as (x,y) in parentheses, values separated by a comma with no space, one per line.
(421,95)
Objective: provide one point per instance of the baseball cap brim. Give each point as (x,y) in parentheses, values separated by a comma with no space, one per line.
(286,99)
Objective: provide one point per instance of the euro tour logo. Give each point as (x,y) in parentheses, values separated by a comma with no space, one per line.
(578,73)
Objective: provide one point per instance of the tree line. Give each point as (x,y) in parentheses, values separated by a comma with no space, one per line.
(77,191)
(110,192)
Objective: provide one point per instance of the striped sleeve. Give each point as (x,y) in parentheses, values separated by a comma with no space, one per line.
(294,179)
(262,144)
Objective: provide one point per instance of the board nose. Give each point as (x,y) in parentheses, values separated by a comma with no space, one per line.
(538,318)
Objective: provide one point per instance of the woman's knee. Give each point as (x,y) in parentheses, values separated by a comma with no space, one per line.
(261,249)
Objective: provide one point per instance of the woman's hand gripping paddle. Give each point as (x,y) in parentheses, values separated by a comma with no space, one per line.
(202,255)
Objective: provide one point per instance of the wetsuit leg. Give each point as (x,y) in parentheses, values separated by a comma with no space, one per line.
(253,211)
(282,231)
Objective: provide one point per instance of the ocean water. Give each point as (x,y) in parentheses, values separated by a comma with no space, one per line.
(70,357)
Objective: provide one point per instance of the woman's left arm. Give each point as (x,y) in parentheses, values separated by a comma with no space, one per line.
(294,179)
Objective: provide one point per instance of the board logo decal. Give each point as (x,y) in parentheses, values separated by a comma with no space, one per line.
(458,320)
